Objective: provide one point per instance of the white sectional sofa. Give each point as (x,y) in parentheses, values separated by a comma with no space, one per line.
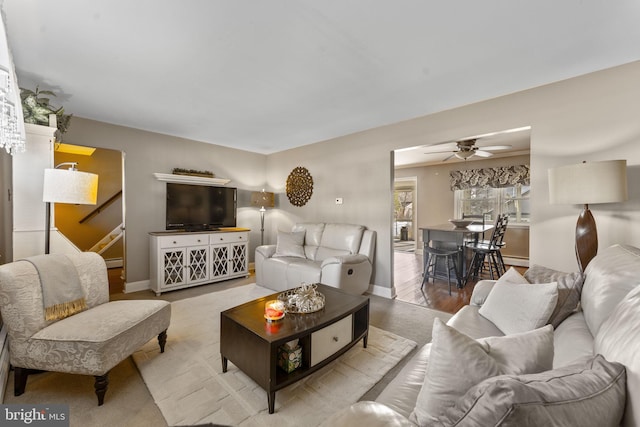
(338,255)
(606,323)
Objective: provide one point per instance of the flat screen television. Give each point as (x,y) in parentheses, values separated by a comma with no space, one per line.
(200,207)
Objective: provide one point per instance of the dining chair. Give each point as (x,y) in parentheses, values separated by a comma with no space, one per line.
(489,252)
(482,218)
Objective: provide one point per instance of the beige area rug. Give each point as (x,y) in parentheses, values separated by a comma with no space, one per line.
(188,385)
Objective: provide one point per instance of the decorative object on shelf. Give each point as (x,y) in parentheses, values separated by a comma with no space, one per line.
(192,172)
(190,179)
(588,183)
(299,186)
(12,134)
(67,186)
(273,310)
(290,356)
(37,110)
(263,200)
(303,299)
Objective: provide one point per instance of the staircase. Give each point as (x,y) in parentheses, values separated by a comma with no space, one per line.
(109,240)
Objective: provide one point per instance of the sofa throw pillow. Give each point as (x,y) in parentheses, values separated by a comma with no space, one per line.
(569,289)
(458,362)
(290,244)
(482,289)
(512,277)
(590,394)
(520,308)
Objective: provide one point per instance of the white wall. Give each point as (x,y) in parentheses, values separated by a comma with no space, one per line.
(585,118)
(347,168)
(146,153)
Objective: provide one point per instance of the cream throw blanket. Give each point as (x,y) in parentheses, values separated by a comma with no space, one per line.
(62,293)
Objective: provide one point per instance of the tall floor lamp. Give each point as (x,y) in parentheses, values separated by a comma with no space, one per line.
(67,186)
(584,184)
(263,200)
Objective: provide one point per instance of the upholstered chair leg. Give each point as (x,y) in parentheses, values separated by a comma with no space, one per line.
(19,380)
(162,340)
(101,384)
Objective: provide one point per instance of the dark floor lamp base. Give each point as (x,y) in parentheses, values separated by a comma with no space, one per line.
(262,226)
(47,228)
(586,238)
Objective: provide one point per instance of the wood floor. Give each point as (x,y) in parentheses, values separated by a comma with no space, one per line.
(408,279)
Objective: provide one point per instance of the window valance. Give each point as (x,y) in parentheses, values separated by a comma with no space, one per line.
(498,177)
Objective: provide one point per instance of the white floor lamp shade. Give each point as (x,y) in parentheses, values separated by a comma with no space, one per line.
(67,186)
(70,186)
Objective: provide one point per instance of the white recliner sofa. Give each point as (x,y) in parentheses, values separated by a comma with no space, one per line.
(338,255)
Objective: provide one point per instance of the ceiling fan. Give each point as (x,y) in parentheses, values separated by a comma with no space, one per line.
(467,148)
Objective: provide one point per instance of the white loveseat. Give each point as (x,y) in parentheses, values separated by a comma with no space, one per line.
(607,323)
(338,255)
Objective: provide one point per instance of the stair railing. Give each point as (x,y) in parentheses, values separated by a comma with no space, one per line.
(102,206)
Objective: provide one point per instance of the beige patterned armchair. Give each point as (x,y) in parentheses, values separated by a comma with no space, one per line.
(90,342)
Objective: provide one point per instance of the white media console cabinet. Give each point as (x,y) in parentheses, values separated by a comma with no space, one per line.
(184,259)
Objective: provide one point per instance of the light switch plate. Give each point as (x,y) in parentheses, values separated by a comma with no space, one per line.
(338,200)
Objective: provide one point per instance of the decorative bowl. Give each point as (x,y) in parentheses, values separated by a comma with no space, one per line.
(461,223)
(303,299)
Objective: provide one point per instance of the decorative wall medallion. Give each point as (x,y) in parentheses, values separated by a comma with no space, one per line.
(299,186)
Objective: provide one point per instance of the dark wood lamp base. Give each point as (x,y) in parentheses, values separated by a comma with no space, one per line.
(586,238)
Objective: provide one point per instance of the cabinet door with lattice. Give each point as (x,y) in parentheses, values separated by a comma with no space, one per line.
(219,261)
(239,258)
(198,262)
(174,272)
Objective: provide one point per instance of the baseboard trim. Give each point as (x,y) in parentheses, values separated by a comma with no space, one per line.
(114,262)
(382,291)
(518,262)
(142,285)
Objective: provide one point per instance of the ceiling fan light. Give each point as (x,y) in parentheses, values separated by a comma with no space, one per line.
(464,155)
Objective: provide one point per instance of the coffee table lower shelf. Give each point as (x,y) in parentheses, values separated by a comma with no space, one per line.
(251,343)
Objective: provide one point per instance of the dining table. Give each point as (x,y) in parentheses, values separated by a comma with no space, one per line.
(448,236)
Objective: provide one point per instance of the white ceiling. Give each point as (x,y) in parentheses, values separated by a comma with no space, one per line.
(266,76)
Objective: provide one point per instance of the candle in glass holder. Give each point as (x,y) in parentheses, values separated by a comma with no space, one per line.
(273,310)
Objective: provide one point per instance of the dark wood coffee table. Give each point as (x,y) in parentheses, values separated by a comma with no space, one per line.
(251,343)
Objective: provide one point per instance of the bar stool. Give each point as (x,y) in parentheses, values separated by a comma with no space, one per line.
(449,255)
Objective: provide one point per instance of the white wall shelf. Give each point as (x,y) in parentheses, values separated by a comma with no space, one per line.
(189,179)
